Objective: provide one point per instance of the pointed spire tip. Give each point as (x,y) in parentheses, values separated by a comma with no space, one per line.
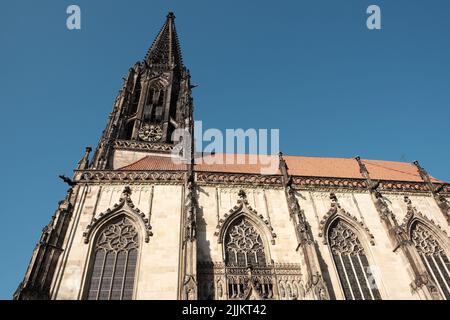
(165,50)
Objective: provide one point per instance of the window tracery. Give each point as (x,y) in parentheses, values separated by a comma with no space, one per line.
(244,246)
(351,263)
(248,275)
(433,257)
(114,262)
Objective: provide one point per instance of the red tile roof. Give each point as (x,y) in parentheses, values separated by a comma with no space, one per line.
(298,166)
(154,163)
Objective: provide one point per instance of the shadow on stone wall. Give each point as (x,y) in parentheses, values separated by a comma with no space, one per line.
(205,267)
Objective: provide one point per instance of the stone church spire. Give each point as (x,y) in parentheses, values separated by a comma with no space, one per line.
(165,51)
(154,100)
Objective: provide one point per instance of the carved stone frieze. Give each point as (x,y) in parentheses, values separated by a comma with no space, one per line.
(141,145)
(130,176)
(239,179)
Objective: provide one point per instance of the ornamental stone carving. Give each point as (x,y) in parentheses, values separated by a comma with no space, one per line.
(125,206)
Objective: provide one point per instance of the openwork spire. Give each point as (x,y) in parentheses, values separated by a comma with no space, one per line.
(165,51)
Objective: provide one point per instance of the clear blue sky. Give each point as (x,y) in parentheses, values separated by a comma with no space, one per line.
(310,68)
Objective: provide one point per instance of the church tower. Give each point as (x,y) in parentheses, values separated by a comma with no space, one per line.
(154,101)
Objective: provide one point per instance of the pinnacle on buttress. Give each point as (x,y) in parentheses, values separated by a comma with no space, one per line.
(84,162)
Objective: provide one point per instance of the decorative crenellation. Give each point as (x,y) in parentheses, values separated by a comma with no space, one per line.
(125,204)
(243,206)
(336,211)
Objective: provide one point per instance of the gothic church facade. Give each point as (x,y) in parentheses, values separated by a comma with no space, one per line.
(137,225)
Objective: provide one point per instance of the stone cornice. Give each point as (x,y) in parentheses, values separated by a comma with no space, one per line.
(246,179)
(238,178)
(403,186)
(111,176)
(326,182)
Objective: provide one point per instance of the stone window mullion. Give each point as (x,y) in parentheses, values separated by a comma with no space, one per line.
(344,268)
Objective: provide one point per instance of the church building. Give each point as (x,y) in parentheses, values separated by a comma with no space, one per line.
(135,224)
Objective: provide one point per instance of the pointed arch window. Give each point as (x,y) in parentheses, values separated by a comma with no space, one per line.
(244,246)
(154,105)
(433,257)
(351,263)
(246,264)
(115,255)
